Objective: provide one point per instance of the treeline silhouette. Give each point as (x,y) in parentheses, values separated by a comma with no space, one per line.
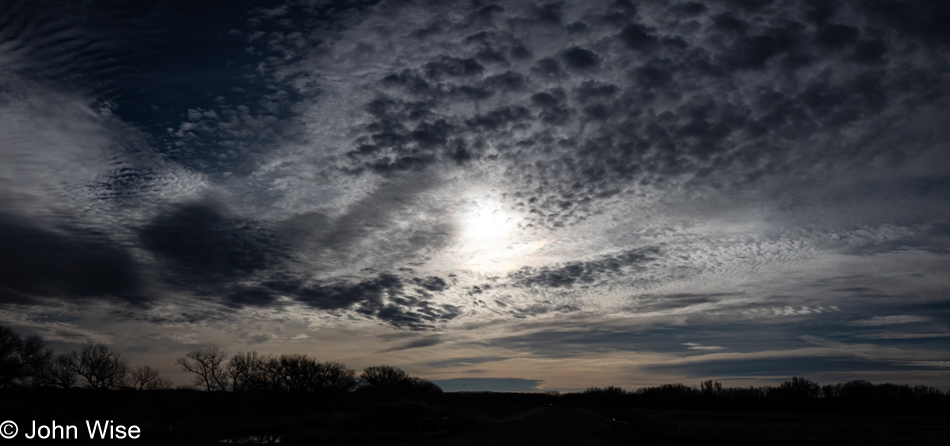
(797,388)
(27,362)
(799,394)
(297,373)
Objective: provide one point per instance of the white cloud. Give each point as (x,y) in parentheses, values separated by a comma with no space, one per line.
(898,335)
(935,364)
(696,346)
(878,321)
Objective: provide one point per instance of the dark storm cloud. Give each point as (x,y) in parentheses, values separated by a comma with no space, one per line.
(418,343)
(38,264)
(648,303)
(586,273)
(369,293)
(580,58)
(500,118)
(754,51)
(386,298)
(548,13)
(402,138)
(453,67)
(244,296)
(507,81)
(366,230)
(188,317)
(689,9)
(638,37)
(540,308)
(202,245)
(431,283)
(924,20)
(594,90)
(547,68)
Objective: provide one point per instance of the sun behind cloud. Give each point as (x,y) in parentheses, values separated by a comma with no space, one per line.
(486,224)
(490,239)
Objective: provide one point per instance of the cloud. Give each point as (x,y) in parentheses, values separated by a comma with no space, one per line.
(878,321)
(580,58)
(650,303)
(418,343)
(936,364)
(897,335)
(384,298)
(201,244)
(696,346)
(38,265)
(761,166)
(465,361)
(587,272)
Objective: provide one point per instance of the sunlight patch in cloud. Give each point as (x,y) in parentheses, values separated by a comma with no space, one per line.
(878,321)
(936,364)
(698,346)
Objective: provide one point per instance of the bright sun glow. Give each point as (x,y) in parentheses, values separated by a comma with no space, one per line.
(491,240)
(486,223)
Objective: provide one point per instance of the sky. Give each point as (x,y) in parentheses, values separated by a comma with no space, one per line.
(523,196)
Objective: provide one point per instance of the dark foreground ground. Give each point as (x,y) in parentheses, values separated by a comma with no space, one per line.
(592,426)
(194,418)
(584,426)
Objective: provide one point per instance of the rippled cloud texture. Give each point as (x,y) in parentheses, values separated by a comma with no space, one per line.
(536,195)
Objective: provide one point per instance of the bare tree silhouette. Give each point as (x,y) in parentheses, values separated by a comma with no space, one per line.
(288,373)
(388,381)
(146,378)
(21,359)
(99,365)
(58,372)
(798,387)
(383,377)
(246,371)
(334,377)
(294,371)
(710,388)
(208,365)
